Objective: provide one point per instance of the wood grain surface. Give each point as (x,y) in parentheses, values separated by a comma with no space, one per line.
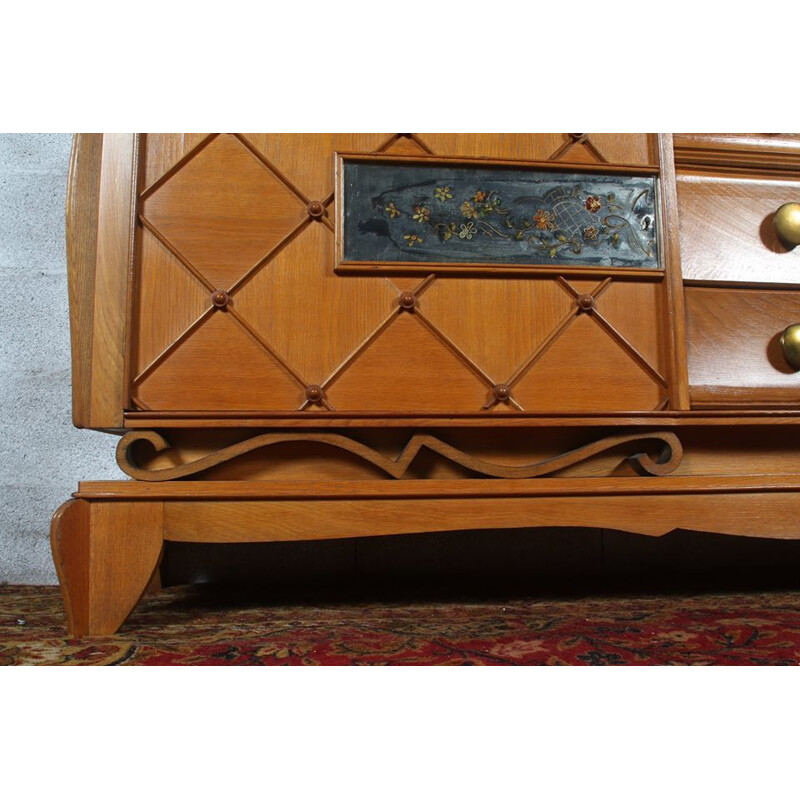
(83,196)
(664,463)
(727,232)
(735,356)
(764,153)
(770,514)
(99,252)
(230,212)
(106,555)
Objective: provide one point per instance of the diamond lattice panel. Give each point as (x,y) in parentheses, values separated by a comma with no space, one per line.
(585,370)
(405,283)
(579,153)
(405,146)
(307,159)
(408,369)
(497,323)
(220,367)
(634,310)
(224,210)
(587,286)
(311,317)
(170,300)
(164,150)
(624,148)
(235,205)
(494,145)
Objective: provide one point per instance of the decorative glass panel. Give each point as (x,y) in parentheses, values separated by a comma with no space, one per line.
(441,213)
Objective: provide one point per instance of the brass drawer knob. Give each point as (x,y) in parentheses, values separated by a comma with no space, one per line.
(787,223)
(790,344)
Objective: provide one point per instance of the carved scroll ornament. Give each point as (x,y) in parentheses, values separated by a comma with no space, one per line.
(668,458)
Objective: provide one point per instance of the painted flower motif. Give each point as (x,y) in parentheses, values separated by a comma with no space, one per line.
(448,231)
(468,210)
(590,233)
(422,214)
(544,220)
(593,204)
(479,197)
(392,211)
(442,193)
(468,230)
(413,239)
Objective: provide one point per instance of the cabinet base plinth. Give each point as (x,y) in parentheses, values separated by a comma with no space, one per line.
(107,542)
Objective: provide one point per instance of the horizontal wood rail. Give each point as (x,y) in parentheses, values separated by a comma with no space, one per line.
(481,487)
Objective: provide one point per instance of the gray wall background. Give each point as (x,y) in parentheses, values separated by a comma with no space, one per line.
(42,457)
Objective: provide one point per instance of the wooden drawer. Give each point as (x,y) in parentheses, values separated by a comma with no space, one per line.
(735,357)
(728,232)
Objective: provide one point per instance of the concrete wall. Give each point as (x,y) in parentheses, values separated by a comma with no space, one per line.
(42,457)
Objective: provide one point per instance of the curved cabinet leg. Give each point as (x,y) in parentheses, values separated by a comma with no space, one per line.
(106,554)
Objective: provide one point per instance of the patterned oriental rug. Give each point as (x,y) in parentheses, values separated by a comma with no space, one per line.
(203,625)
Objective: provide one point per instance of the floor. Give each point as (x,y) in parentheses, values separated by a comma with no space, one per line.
(703,622)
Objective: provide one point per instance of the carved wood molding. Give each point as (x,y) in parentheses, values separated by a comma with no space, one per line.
(665,462)
(768,154)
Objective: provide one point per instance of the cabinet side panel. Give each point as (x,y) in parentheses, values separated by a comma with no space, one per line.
(99,246)
(83,194)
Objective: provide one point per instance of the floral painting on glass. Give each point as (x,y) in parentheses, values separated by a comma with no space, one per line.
(443,213)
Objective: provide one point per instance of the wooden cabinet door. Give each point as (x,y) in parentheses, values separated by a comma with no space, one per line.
(237,307)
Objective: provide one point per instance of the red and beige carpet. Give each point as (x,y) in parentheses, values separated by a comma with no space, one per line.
(202,625)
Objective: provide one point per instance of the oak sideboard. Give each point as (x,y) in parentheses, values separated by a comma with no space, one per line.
(308,336)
